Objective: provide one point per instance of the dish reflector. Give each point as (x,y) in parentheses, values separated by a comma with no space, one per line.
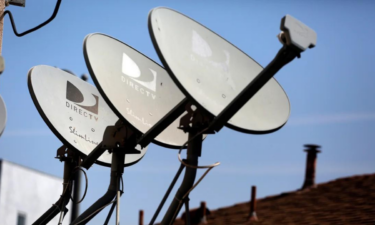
(136,88)
(212,72)
(74,110)
(3,115)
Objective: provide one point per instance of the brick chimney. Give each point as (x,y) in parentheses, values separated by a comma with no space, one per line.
(312,151)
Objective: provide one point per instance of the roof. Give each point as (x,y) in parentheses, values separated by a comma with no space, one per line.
(196,215)
(343,201)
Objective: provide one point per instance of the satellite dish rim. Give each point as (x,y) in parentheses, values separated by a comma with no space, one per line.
(186,93)
(54,130)
(108,101)
(6,116)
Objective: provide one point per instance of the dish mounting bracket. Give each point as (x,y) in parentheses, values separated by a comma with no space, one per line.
(195,119)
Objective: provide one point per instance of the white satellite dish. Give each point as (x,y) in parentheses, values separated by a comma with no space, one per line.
(136,88)
(74,110)
(227,86)
(3,116)
(211,72)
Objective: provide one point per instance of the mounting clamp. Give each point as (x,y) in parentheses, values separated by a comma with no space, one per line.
(63,154)
(195,119)
(15,2)
(119,136)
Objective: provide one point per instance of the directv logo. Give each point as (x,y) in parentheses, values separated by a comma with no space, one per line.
(137,80)
(87,102)
(202,49)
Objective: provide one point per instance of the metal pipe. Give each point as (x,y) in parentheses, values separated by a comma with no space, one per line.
(86,216)
(312,151)
(118,203)
(193,152)
(204,212)
(141,213)
(110,214)
(252,213)
(48,215)
(63,200)
(167,194)
(61,217)
(76,194)
(187,211)
(117,168)
(253,199)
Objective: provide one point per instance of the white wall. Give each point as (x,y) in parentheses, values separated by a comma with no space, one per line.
(27,191)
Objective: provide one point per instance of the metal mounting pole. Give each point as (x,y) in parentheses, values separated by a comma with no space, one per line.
(76,194)
(193,152)
(110,214)
(187,211)
(167,194)
(62,202)
(117,168)
(118,202)
(70,163)
(296,37)
(284,56)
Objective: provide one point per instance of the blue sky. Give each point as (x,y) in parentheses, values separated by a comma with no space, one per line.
(331,90)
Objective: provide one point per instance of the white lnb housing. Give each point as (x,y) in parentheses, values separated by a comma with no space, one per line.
(296,34)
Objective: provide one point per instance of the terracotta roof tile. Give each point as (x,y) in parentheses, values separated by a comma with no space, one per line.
(343,201)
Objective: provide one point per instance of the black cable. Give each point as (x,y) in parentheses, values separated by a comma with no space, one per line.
(35,28)
(96,211)
(182,200)
(86,186)
(182,166)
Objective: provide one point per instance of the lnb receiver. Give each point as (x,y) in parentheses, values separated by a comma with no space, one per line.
(296,35)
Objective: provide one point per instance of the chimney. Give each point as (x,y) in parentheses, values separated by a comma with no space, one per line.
(312,151)
(252,213)
(204,212)
(198,216)
(140,217)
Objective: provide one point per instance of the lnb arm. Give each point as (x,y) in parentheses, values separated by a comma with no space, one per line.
(296,37)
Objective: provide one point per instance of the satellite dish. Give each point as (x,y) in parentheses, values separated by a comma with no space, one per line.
(74,110)
(212,72)
(136,88)
(3,115)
